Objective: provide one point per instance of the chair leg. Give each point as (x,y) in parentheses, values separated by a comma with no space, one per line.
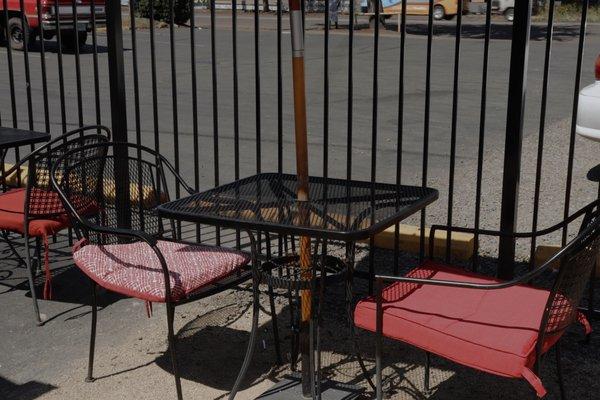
(561,383)
(275,326)
(90,374)
(252,341)
(378,367)
(427,372)
(172,350)
(29,263)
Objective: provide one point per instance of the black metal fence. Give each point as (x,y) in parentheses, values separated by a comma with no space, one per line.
(215,98)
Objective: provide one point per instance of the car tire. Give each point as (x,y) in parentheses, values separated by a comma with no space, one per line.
(509,14)
(17,33)
(439,13)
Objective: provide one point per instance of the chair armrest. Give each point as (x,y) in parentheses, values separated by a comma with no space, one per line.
(470,285)
(488,232)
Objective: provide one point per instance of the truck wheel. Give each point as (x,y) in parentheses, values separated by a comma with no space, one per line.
(18,32)
(438,13)
(509,14)
(69,42)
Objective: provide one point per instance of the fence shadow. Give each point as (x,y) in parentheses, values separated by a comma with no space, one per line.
(498,32)
(27,391)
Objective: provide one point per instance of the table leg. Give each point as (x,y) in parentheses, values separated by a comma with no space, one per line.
(350,262)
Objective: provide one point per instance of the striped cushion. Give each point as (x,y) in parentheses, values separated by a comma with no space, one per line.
(134,270)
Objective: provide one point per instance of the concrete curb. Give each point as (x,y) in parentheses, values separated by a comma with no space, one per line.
(462,244)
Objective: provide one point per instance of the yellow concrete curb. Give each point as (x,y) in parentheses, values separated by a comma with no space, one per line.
(544,252)
(11,180)
(462,244)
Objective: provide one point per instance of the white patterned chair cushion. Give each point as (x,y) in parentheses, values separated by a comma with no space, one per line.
(134,270)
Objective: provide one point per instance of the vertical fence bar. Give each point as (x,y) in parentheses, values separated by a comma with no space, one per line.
(11,75)
(116,70)
(279,93)
(153,79)
(134,63)
(59,58)
(279,109)
(236,105)
(576,87)
(540,151)
(43,69)
(400,137)
(350,108)
(118,103)
(517,87)
(453,128)
(75,42)
(95,58)
(174,99)
(215,103)
(425,165)
(195,132)
(481,144)
(326,94)
(26,44)
(257,85)
(374,121)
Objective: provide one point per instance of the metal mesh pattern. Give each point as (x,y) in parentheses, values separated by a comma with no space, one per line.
(115,192)
(42,202)
(336,208)
(571,282)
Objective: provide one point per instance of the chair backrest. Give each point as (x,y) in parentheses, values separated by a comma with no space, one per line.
(576,264)
(118,187)
(41,201)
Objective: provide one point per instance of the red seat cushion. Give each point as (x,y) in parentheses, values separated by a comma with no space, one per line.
(134,270)
(490,330)
(12,214)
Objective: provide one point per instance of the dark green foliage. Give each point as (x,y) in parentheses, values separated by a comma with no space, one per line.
(182,10)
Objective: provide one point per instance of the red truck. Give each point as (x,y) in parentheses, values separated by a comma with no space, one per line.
(43,22)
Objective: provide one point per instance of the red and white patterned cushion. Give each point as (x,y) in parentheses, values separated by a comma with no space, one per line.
(134,270)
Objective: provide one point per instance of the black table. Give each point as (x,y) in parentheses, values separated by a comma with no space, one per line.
(12,138)
(347,211)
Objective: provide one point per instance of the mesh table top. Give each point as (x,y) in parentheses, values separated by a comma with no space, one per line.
(11,137)
(337,209)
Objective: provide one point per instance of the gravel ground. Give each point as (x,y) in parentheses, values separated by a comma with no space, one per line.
(49,362)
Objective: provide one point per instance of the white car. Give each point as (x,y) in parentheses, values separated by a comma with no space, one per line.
(504,7)
(588,118)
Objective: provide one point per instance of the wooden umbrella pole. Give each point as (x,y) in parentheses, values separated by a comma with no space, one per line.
(297,34)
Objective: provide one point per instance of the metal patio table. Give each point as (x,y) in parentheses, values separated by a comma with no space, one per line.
(346,211)
(11,138)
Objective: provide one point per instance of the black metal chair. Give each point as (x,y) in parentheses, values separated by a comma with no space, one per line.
(35,210)
(126,247)
(513,324)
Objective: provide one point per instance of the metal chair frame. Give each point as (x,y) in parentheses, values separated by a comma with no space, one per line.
(83,228)
(589,235)
(42,157)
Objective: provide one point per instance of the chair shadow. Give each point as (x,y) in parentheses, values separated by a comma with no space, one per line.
(498,31)
(474,31)
(69,284)
(210,351)
(27,391)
